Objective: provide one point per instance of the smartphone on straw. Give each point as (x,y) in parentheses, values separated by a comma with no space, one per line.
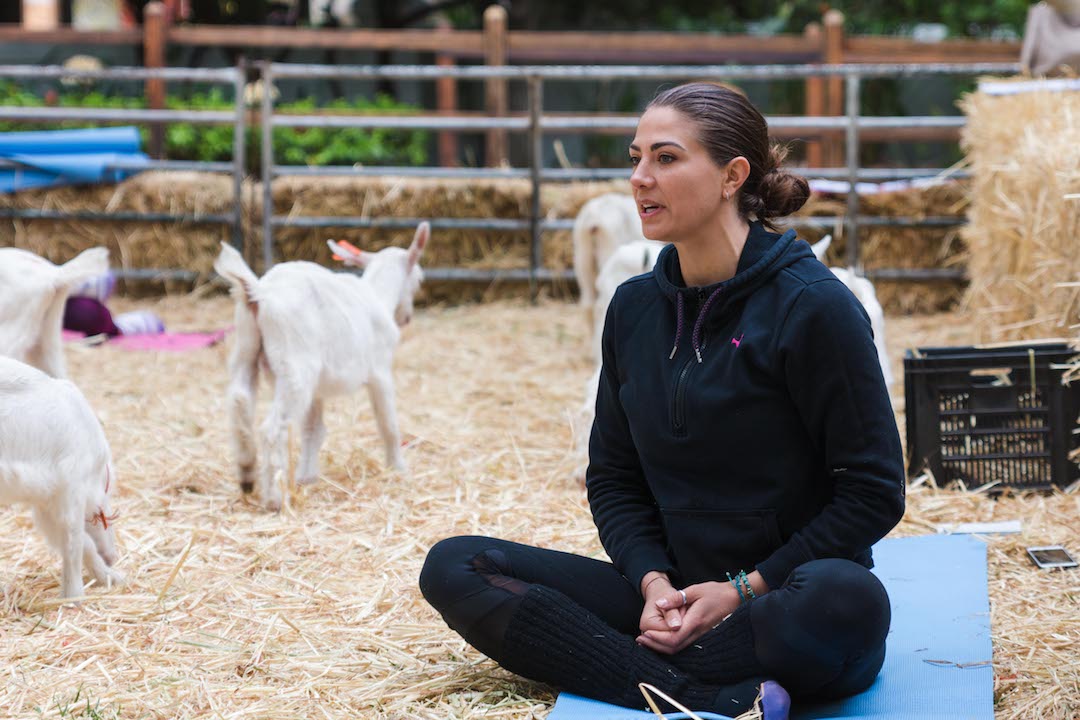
(1051,556)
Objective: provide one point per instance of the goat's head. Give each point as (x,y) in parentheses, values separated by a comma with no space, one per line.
(400,267)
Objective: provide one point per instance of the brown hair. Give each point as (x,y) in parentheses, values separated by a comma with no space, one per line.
(729,126)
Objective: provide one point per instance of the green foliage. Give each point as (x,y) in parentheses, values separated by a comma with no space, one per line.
(292,146)
(337,146)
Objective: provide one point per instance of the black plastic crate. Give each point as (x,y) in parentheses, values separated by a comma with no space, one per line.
(996,415)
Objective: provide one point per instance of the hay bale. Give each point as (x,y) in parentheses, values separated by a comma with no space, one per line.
(371,197)
(194,247)
(902,247)
(131,244)
(1022,256)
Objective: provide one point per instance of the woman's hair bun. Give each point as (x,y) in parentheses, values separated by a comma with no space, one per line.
(779,192)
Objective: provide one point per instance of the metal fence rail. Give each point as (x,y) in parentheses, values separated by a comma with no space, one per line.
(236,117)
(535,124)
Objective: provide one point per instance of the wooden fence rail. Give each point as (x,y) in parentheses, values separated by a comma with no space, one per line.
(824,42)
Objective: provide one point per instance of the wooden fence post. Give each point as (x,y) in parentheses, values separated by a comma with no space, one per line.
(834,55)
(446,102)
(815,96)
(495,52)
(154,22)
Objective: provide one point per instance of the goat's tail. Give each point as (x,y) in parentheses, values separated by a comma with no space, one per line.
(231,266)
(243,362)
(86,265)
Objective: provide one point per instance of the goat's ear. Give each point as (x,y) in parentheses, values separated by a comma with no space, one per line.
(348,254)
(423,232)
(821,246)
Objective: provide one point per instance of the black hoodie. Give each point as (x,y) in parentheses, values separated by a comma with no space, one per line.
(741,425)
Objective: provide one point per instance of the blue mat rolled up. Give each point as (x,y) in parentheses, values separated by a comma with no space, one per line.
(67,157)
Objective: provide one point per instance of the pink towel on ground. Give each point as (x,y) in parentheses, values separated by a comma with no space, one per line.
(171,342)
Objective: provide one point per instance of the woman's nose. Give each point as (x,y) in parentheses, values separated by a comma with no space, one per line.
(641,175)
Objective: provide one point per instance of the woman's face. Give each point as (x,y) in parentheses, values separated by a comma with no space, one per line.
(676,184)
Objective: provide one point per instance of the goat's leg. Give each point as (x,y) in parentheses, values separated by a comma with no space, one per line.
(244,374)
(95,560)
(585,269)
(275,431)
(312,435)
(63,530)
(381,390)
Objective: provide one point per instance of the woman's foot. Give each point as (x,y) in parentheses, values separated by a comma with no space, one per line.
(775,701)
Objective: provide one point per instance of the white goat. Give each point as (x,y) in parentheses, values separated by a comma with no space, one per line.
(626,261)
(318,333)
(602,225)
(863,289)
(54,457)
(32,296)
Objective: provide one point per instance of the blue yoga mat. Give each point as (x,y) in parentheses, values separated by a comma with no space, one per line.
(937,664)
(64,157)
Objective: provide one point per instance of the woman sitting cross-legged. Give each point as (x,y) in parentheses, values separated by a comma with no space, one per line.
(743,459)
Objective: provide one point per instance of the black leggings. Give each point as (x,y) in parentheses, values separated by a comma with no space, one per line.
(821,634)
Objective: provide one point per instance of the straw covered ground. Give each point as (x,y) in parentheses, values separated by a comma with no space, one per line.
(231,612)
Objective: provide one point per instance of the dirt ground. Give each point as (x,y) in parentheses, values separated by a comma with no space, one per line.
(232,612)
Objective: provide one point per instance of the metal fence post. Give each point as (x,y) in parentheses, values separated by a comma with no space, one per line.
(239,152)
(266,121)
(536,163)
(851,222)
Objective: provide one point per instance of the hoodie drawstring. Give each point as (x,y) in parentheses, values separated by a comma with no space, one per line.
(695,338)
(698,325)
(678,323)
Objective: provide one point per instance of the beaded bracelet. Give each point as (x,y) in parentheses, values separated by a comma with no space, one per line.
(735,584)
(739,582)
(746,582)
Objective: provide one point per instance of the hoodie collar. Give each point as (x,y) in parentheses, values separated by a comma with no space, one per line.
(763,254)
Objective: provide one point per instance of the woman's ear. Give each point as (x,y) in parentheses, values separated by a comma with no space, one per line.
(735,174)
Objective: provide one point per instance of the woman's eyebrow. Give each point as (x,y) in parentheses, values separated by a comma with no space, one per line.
(657,145)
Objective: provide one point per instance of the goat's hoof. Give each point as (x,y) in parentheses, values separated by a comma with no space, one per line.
(307,480)
(273,505)
(247,487)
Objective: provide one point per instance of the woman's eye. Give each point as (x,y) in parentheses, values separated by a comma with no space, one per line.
(634,160)
(667,158)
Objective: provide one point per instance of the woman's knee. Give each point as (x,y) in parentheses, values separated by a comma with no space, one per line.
(844,596)
(446,562)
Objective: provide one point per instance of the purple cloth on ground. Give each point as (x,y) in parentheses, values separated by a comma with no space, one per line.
(87,315)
